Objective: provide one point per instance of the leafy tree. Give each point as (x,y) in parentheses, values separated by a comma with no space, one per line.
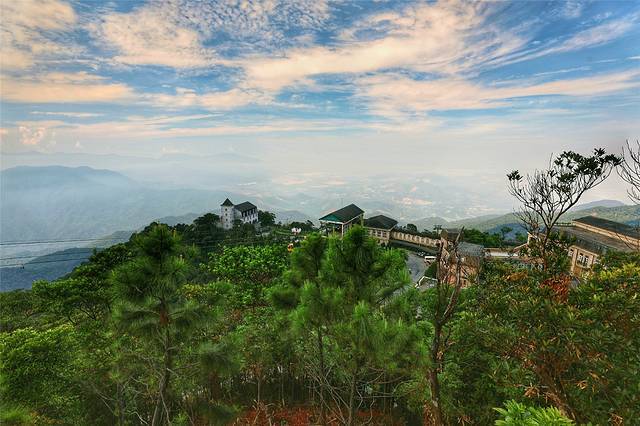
(266,219)
(153,307)
(19,309)
(37,372)
(483,238)
(572,346)
(411,227)
(250,269)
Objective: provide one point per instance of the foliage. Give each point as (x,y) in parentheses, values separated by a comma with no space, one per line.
(516,414)
(266,219)
(331,333)
(251,270)
(37,374)
(483,238)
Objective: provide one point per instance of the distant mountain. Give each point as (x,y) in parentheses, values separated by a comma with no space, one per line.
(599,203)
(49,267)
(288,216)
(53,202)
(622,214)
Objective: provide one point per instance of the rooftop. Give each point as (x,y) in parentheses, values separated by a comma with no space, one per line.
(227,203)
(344,215)
(469,249)
(380,222)
(593,241)
(243,207)
(609,225)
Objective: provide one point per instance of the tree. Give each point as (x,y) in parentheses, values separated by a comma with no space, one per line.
(569,346)
(250,269)
(629,170)
(266,219)
(442,304)
(504,231)
(547,194)
(37,370)
(152,306)
(367,278)
(411,227)
(310,302)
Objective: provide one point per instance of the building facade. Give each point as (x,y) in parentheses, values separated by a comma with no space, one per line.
(380,227)
(341,220)
(592,237)
(246,213)
(457,255)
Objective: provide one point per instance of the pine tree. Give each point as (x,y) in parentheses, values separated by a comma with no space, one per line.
(153,308)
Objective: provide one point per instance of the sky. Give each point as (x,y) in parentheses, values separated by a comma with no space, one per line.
(342,88)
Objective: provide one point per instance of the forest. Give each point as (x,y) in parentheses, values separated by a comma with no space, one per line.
(194,325)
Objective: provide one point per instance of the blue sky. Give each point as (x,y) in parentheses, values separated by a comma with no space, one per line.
(456,87)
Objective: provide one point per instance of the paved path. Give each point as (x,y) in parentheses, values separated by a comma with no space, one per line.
(416,266)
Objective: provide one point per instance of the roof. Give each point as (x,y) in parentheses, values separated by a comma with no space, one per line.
(450,234)
(243,207)
(593,241)
(380,222)
(344,215)
(609,225)
(227,203)
(469,249)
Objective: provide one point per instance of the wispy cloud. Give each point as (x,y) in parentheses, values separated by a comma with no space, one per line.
(80,87)
(29,29)
(392,95)
(71,114)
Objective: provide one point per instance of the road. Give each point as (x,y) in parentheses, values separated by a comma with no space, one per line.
(416,266)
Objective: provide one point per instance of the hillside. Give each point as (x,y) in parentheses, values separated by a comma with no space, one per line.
(42,203)
(623,214)
(47,267)
(493,223)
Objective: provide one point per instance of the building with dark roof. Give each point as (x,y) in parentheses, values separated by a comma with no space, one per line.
(458,255)
(380,227)
(592,237)
(245,212)
(342,219)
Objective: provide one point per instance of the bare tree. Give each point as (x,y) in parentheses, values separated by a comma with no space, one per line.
(452,274)
(547,194)
(629,170)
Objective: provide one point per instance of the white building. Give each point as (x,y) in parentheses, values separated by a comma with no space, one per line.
(245,212)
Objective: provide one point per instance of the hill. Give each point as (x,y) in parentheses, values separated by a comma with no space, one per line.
(622,214)
(53,202)
(47,267)
(599,203)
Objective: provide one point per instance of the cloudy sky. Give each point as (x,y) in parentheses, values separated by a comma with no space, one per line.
(455,88)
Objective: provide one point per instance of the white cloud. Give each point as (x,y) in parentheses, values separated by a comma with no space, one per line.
(215,101)
(27,31)
(395,95)
(174,33)
(77,87)
(572,9)
(153,35)
(70,114)
(431,37)
(597,35)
